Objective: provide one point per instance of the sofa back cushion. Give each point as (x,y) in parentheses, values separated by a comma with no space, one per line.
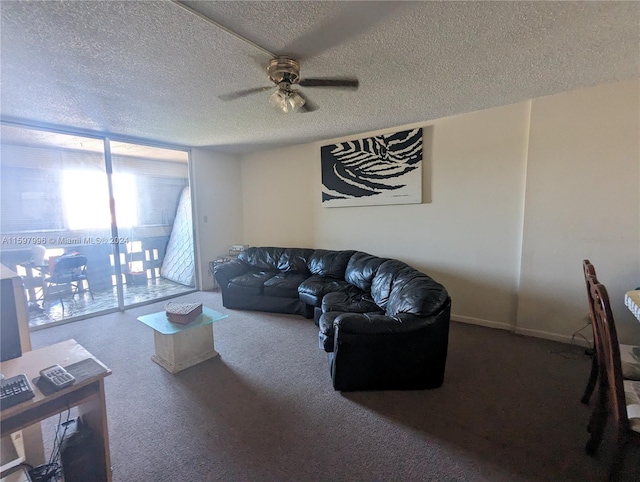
(416,294)
(383,281)
(361,269)
(295,260)
(328,263)
(263,258)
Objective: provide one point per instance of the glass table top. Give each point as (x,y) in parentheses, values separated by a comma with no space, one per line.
(160,323)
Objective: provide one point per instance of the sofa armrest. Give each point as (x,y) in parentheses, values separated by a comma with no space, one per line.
(379,323)
(229,270)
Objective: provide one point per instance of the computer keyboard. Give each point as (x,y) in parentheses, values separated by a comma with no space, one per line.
(15,390)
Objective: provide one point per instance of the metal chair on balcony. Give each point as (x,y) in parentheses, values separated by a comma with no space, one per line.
(71,271)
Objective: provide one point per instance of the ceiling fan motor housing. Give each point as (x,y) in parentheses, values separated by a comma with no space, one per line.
(284,69)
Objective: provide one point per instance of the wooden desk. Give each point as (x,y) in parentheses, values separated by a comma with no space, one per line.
(87,393)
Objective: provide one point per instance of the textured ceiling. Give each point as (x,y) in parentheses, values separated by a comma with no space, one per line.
(154,70)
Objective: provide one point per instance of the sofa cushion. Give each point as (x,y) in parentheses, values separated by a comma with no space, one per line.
(284,285)
(384,279)
(313,289)
(328,263)
(262,258)
(416,294)
(349,302)
(251,282)
(295,260)
(361,269)
(229,270)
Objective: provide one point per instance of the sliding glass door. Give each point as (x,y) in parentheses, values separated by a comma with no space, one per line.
(124,207)
(153,215)
(54,204)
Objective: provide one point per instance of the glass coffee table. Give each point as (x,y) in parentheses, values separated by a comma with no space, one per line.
(182,346)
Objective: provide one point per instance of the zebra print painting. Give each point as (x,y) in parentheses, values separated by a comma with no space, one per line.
(385,169)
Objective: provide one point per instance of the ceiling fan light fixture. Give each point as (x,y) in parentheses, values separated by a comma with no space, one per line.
(286,101)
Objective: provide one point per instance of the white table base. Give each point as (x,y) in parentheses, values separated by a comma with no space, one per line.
(184,349)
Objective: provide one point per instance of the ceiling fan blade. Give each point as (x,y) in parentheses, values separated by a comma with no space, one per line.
(348,83)
(308,106)
(242,93)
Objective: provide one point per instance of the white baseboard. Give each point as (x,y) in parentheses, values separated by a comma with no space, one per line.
(479,321)
(554,337)
(522,331)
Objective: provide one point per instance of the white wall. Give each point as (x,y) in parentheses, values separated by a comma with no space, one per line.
(279,197)
(582,200)
(504,264)
(467,235)
(217,194)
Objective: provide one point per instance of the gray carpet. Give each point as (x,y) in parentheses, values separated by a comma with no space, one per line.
(265,410)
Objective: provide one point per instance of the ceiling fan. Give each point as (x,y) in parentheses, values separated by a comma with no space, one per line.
(284,72)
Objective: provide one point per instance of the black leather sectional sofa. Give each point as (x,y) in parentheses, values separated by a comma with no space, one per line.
(383,324)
